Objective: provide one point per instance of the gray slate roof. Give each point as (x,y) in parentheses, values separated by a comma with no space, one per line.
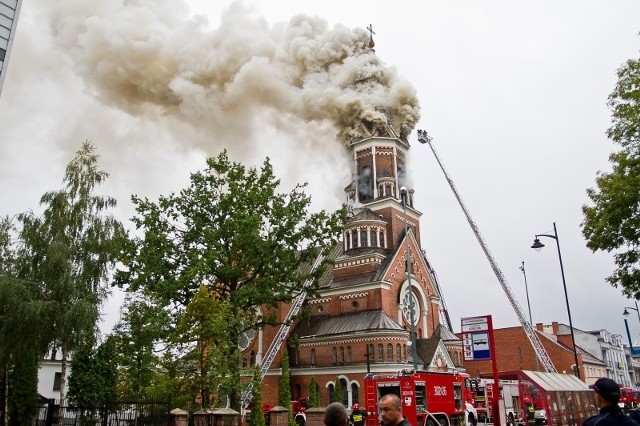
(320,326)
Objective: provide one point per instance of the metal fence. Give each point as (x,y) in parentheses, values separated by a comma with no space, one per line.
(116,413)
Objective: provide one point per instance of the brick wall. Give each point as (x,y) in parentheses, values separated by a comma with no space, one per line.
(514,352)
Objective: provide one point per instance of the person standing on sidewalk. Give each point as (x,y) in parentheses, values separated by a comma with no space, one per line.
(607,395)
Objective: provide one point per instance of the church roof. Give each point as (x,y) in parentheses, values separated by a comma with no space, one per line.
(365,214)
(445,334)
(426,348)
(322,326)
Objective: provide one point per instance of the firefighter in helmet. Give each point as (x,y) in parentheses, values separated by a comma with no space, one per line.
(530,412)
(357,416)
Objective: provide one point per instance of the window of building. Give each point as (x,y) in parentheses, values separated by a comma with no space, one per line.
(363,238)
(334,352)
(371,353)
(374,237)
(313,357)
(332,389)
(57,378)
(354,393)
(342,354)
(345,392)
(252,358)
(349,354)
(398,352)
(380,352)
(389,352)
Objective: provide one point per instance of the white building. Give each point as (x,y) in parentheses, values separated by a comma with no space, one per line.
(50,373)
(9,11)
(607,347)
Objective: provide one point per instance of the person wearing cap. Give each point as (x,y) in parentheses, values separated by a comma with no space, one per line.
(607,395)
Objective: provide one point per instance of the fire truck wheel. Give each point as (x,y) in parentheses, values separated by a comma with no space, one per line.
(430,423)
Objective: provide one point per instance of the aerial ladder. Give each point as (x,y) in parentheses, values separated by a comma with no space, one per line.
(444,313)
(281,336)
(540,351)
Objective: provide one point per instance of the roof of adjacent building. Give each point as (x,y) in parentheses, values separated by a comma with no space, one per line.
(322,326)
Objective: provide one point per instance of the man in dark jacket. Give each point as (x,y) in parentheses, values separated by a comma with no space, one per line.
(607,395)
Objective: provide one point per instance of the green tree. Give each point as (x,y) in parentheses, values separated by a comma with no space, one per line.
(93,378)
(135,336)
(231,231)
(69,251)
(201,336)
(21,322)
(612,221)
(314,394)
(337,391)
(256,418)
(284,395)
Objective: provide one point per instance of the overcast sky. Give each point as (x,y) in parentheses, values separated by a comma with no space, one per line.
(514,94)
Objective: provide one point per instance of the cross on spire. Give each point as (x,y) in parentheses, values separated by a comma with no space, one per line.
(371,33)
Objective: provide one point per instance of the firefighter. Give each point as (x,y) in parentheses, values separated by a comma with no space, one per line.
(300,419)
(530,412)
(357,416)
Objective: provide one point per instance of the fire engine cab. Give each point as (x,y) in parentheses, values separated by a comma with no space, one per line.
(427,398)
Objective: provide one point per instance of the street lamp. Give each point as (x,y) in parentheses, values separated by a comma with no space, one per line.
(414,345)
(627,313)
(537,245)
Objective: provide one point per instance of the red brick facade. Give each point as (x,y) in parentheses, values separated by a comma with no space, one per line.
(363,305)
(514,352)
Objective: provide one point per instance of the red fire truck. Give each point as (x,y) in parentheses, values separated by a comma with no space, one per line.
(428,398)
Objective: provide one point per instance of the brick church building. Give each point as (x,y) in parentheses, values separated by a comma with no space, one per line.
(364,301)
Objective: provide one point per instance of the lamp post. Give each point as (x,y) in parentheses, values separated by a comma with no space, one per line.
(414,349)
(627,313)
(526,289)
(537,245)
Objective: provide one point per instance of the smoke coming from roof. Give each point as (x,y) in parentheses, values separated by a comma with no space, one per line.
(157,89)
(148,55)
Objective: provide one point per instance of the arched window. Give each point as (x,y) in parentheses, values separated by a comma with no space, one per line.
(398,352)
(404,351)
(334,352)
(332,389)
(363,237)
(374,237)
(341,354)
(252,358)
(371,353)
(354,393)
(345,392)
(354,238)
(313,357)
(297,392)
(389,352)
(349,354)
(380,352)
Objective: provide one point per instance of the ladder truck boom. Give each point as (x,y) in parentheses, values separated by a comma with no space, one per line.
(540,351)
(281,336)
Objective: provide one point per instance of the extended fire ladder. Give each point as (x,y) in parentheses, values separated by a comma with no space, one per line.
(541,352)
(283,332)
(444,313)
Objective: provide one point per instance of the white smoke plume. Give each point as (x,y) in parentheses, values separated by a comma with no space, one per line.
(140,54)
(158,89)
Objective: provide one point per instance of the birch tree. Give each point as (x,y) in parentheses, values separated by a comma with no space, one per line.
(69,251)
